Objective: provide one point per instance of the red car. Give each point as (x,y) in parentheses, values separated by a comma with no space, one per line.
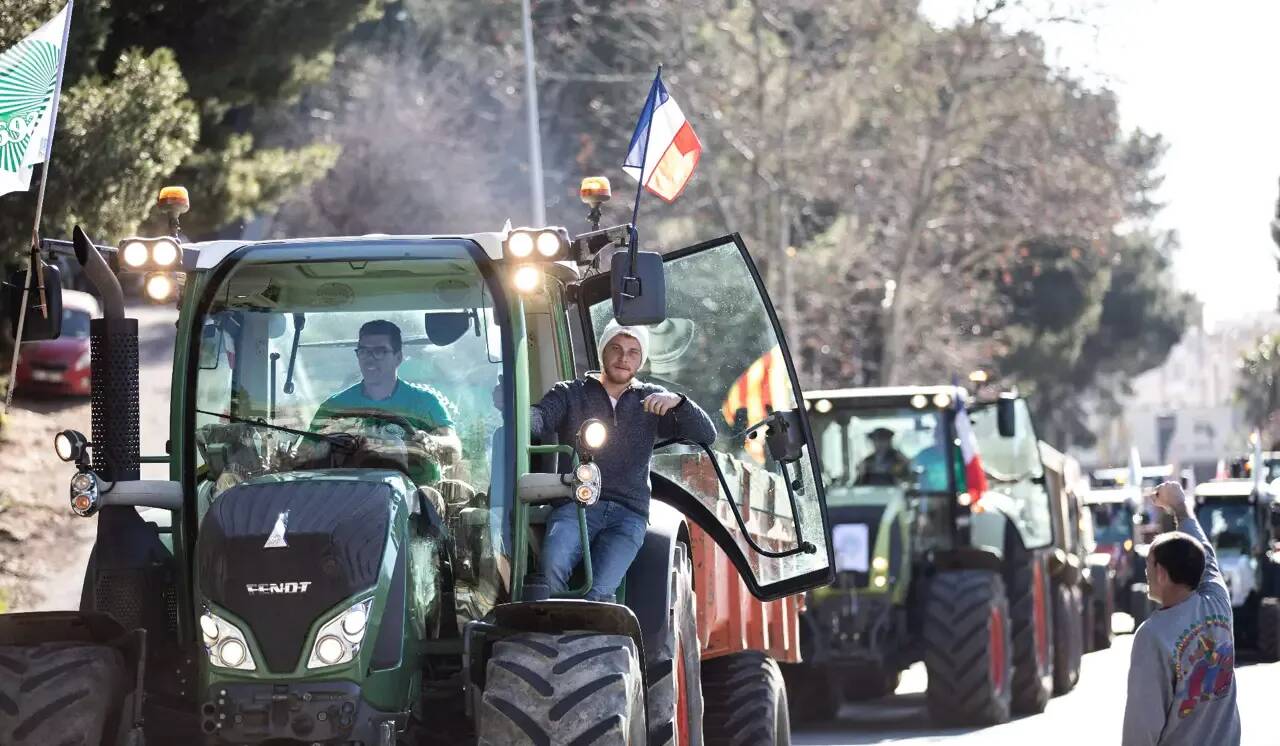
(61,366)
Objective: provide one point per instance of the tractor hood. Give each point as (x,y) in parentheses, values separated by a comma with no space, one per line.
(280,553)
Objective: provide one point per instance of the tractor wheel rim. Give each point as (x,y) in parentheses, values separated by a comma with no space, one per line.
(996,646)
(1041,619)
(682,697)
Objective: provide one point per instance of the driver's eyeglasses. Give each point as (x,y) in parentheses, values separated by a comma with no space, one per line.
(376,353)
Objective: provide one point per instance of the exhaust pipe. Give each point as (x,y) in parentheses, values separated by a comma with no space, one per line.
(113,371)
(96,269)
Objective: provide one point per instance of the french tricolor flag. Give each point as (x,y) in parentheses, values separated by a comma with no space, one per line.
(975,477)
(663,151)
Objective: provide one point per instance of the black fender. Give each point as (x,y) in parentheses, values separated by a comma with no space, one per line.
(554,616)
(649,579)
(967,558)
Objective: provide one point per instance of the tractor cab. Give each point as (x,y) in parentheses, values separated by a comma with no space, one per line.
(1236,519)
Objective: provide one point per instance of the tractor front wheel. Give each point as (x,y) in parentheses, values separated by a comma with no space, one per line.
(967,648)
(746,701)
(60,693)
(574,687)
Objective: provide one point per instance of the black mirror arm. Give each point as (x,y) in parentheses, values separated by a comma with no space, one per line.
(802,546)
(299,322)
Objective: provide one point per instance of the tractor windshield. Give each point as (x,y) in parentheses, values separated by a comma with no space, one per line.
(1112,522)
(1012,464)
(864,451)
(386,363)
(1229,525)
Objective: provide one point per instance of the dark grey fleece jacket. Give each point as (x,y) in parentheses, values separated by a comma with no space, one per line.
(624,459)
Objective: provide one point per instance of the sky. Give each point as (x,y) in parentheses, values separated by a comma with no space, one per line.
(1207,77)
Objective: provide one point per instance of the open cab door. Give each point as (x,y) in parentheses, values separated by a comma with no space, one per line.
(755,490)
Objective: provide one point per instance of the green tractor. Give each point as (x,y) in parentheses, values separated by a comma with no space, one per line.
(927,571)
(351,584)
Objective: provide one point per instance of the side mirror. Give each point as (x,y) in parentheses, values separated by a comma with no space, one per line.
(210,346)
(639,292)
(37,325)
(785,437)
(1006,417)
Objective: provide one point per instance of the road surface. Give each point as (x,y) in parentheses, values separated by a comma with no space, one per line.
(1089,715)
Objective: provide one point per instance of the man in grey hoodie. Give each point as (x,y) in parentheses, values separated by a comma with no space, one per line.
(1182,686)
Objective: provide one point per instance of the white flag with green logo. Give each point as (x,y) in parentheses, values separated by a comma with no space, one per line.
(29,80)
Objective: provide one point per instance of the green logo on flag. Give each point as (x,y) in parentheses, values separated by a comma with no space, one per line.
(28,74)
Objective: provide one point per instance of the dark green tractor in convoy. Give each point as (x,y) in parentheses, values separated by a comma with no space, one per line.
(927,571)
(301,587)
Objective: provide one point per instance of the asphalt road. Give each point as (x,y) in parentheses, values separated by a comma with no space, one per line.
(1091,714)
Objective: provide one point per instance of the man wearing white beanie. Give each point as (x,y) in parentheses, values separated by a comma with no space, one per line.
(640,414)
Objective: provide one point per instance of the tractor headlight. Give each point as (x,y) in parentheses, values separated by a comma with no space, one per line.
(84,494)
(225,643)
(339,639)
(165,252)
(587,490)
(528,279)
(520,244)
(135,254)
(159,286)
(548,244)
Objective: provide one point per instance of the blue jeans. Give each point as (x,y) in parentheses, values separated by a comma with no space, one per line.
(615,534)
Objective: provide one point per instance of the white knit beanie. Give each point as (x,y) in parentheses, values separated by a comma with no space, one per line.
(638,333)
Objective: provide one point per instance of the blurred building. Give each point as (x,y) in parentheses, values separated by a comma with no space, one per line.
(1184,412)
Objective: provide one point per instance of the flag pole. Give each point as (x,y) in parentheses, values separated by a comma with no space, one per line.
(33,259)
(650,105)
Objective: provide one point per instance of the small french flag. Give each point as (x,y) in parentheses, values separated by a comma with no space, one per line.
(975,477)
(664,150)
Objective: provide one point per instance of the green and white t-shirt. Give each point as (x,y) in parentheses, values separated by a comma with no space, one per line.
(421,406)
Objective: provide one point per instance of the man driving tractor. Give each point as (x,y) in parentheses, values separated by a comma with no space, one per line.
(886,465)
(379,353)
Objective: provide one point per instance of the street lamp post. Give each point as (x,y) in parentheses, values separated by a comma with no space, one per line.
(531,101)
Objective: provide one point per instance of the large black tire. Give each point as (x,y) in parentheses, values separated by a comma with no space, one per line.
(746,701)
(571,688)
(60,693)
(813,695)
(1101,604)
(1102,630)
(1269,629)
(1068,637)
(1087,625)
(967,644)
(675,668)
(1031,613)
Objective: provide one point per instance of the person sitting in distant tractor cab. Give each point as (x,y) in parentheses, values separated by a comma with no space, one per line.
(886,465)
(642,414)
(382,392)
